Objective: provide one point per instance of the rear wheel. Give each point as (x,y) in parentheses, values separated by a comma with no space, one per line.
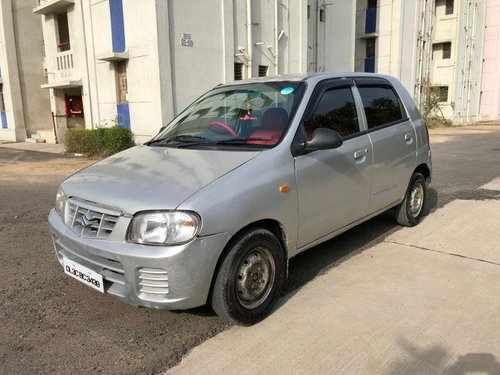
(410,211)
(250,278)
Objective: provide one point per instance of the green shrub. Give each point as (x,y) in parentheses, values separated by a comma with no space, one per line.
(98,142)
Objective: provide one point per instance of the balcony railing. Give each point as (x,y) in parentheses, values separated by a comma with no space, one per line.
(52,6)
(64,60)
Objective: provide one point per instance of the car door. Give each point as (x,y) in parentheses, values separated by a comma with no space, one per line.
(333,185)
(393,138)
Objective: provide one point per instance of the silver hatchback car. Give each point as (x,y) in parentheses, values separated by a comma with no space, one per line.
(248,176)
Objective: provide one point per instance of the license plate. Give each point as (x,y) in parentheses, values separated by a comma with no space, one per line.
(83,274)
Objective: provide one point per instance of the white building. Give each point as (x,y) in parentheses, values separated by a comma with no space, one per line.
(24,106)
(394,37)
(458,57)
(138,63)
(490,81)
(430,45)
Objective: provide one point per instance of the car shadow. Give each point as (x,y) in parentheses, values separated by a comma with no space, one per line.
(435,359)
(318,260)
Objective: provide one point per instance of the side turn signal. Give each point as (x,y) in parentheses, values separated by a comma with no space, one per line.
(284,188)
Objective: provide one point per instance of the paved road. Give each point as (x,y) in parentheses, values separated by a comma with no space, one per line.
(426,300)
(50,323)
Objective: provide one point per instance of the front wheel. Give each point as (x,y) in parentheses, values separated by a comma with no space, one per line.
(410,211)
(250,278)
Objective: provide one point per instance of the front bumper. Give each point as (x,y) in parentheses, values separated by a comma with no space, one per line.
(189,267)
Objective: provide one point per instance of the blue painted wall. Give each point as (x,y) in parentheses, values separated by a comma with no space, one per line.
(3,116)
(123,115)
(370,65)
(371,21)
(117,25)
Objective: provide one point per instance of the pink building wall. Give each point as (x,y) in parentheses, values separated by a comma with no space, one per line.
(490,86)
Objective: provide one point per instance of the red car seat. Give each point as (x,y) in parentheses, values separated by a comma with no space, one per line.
(274,123)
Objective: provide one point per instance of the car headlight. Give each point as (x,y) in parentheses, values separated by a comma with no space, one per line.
(60,201)
(163,227)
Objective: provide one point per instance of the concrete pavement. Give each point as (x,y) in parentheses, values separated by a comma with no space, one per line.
(29,146)
(424,301)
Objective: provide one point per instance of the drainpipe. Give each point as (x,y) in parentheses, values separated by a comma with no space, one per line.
(390,40)
(481,66)
(223,24)
(316,37)
(276,38)
(87,67)
(465,69)
(249,38)
(471,57)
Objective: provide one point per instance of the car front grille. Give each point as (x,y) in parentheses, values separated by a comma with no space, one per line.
(88,221)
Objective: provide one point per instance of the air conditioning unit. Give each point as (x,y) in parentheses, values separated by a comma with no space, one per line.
(74,106)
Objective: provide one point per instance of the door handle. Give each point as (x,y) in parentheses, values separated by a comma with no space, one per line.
(408,139)
(360,155)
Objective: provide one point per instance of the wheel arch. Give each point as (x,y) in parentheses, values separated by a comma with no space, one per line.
(272,225)
(425,171)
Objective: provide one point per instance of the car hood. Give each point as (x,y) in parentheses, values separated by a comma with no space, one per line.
(152,178)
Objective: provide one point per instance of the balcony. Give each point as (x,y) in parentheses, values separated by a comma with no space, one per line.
(64,61)
(64,74)
(52,6)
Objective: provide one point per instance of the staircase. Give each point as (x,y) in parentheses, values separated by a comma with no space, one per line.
(42,136)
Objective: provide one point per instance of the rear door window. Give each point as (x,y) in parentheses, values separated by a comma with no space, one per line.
(336,111)
(381,104)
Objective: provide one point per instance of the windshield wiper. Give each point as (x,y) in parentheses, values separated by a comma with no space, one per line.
(185,140)
(241,141)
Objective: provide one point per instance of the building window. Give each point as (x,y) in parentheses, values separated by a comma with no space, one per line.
(238,71)
(443,49)
(446,50)
(321,15)
(370,55)
(63,43)
(370,47)
(450,5)
(263,70)
(308,11)
(440,92)
(121,82)
(371,4)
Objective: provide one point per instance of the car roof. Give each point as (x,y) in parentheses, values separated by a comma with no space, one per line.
(306,77)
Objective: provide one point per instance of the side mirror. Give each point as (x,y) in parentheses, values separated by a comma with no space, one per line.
(323,139)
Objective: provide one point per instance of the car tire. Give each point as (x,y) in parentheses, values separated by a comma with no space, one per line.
(410,211)
(250,278)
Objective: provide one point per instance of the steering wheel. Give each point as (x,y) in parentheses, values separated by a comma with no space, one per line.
(223,125)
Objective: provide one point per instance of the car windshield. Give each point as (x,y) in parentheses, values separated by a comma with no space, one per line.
(254,115)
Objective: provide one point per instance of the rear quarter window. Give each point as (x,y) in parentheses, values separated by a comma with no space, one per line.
(382,105)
